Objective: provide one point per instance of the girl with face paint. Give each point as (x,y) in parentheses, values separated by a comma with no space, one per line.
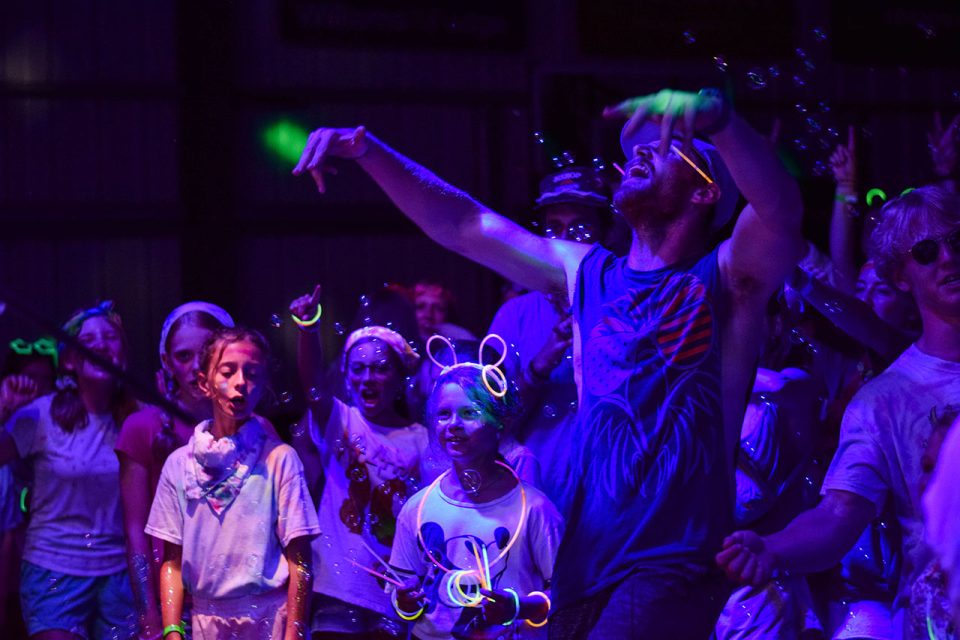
(363,458)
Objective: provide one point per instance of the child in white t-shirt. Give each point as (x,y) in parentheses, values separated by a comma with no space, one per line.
(476,548)
(234,510)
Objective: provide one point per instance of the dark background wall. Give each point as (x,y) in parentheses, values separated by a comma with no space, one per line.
(132,162)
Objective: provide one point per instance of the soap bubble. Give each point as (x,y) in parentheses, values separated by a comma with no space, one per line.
(820,168)
(956,95)
(756,79)
(799,81)
(800,144)
(276,321)
(339,329)
(367,321)
(286,397)
(721,63)
(538,137)
(820,34)
(549,411)
(599,164)
(315,394)
(813,125)
(364,301)
(689,37)
(801,53)
(773,72)
(568,157)
(809,65)
(557,162)
(800,107)
(926,30)
(824,106)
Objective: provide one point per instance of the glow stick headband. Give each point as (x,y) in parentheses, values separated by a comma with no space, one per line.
(487,371)
(72,326)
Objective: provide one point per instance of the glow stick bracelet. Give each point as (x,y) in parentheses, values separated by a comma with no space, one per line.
(480,571)
(549,605)
(304,324)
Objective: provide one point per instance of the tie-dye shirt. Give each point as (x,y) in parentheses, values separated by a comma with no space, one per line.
(653,483)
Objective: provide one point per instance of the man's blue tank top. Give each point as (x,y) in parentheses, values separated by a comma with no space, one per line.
(653,484)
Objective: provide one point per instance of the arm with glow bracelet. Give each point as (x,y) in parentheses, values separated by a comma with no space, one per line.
(171,589)
(506,606)
(316,390)
(135,503)
(448,215)
(843,225)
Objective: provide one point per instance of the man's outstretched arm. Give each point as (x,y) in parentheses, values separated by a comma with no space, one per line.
(813,541)
(446,214)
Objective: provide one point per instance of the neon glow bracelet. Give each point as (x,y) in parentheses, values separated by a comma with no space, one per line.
(305,324)
(549,606)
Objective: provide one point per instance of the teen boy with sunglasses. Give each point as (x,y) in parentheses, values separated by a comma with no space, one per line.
(886,426)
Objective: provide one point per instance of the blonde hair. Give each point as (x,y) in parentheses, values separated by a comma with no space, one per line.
(927,212)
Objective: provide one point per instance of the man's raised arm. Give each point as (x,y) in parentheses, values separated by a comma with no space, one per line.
(445,213)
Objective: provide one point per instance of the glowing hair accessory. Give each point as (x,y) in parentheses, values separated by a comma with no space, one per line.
(216,312)
(306,324)
(488,372)
(454,588)
(72,326)
(45,346)
(408,357)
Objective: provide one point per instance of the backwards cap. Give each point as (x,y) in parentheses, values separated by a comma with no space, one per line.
(726,206)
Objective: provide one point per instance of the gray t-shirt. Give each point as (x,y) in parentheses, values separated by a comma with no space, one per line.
(75,522)
(882,439)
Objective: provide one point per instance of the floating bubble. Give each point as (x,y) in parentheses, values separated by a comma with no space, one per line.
(773,72)
(813,125)
(367,321)
(819,34)
(800,107)
(549,411)
(538,137)
(599,164)
(820,168)
(296,429)
(833,133)
(364,301)
(339,329)
(832,306)
(557,162)
(799,82)
(756,79)
(689,37)
(956,95)
(801,53)
(315,394)
(568,157)
(926,30)
(800,144)
(276,321)
(286,397)
(389,325)
(572,406)
(824,106)
(809,65)
(720,62)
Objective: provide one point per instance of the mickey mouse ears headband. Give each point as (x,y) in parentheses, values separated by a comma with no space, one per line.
(493,377)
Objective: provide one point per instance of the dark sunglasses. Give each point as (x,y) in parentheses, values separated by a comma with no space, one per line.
(927,250)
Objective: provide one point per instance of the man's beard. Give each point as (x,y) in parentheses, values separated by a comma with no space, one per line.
(647,205)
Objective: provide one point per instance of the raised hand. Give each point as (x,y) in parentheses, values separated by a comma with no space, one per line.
(553,350)
(692,112)
(410,597)
(324,144)
(843,161)
(745,558)
(305,306)
(16,391)
(498,607)
(942,142)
